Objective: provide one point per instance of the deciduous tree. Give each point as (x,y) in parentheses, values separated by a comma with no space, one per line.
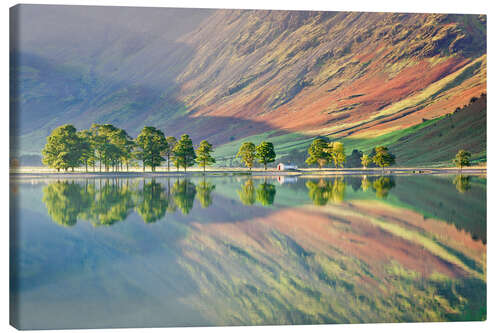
(184,152)
(383,158)
(337,153)
(247,154)
(318,153)
(203,154)
(151,143)
(462,159)
(265,153)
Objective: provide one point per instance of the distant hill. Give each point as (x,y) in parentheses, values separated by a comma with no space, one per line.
(235,75)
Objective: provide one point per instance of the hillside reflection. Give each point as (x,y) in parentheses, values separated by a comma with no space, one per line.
(256,250)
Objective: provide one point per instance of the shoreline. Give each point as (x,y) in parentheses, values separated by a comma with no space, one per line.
(243,172)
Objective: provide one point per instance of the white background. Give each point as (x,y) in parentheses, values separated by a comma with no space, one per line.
(436,6)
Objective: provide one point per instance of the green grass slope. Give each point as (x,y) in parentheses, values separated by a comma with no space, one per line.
(438,142)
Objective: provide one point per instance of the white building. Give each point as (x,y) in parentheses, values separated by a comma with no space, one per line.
(283,167)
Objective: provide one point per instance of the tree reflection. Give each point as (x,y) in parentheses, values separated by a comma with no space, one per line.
(323,191)
(204,193)
(338,190)
(151,202)
(319,191)
(183,193)
(382,186)
(366,184)
(111,202)
(247,193)
(462,183)
(106,202)
(266,193)
(65,202)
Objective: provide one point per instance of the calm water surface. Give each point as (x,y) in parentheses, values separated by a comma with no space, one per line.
(129,252)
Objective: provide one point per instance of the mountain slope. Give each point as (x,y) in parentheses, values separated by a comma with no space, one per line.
(231,75)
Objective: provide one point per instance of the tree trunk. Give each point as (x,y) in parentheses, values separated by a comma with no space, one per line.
(86,167)
(168,163)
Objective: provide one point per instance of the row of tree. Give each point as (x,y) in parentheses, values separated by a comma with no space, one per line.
(111,147)
(322,152)
(107,146)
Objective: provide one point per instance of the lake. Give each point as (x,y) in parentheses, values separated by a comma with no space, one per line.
(219,250)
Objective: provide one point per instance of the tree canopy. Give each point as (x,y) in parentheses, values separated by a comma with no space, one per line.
(318,153)
(337,153)
(63,149)
(383,158)
(265,153)
(462,159)
(184,152)
(247,154)
(203,154)
(151,143)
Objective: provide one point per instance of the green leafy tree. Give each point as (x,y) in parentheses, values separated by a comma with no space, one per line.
(265,153)
(462,159)
(247,154)
(63,149)
(125,146)
(107,150)
(366,160)
(337,153)
(87,149)
(204,193)
(318,153)
(169,149)
(383,158)
(247,193)
(151,143)
(266,193)
(184,152)
(203,154)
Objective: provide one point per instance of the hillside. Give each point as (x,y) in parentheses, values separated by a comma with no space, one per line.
(235,75)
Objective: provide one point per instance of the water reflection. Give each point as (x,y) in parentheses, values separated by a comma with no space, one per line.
(247,193)
(383,185)
(151,201)
(105,202)
(183,192)
(323,191)
(264,194)
(462,183)
(252,251)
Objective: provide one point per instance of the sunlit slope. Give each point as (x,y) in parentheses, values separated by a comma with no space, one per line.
(227,75)
(432,142)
